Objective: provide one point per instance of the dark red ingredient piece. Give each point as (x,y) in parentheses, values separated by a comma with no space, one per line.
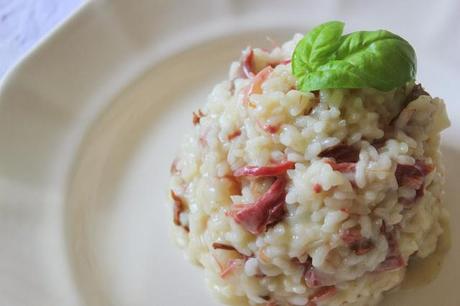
(351,235)
(179,207)
(274,170)
(315,278)
(321,294)
(277,213)
(341,167)
(317,188)
(267,210)
(394,260)
(412,175)
(256,85)
(248,64)
(355,241)
(312,279)
(271,129)
(234,134)
(197,117)
(416,92)
(341,153)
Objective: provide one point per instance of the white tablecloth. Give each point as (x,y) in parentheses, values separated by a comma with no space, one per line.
(24,22)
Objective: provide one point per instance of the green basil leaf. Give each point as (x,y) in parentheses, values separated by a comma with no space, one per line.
(377,59)
(317,46)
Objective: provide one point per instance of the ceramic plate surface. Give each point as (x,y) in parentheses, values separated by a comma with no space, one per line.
(91,120)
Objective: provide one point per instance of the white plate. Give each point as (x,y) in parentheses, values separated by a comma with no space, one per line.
(90,121)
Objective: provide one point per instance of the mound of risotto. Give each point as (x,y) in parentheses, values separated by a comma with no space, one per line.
(294,197)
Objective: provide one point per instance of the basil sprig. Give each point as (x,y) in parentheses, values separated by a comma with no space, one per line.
(325,58)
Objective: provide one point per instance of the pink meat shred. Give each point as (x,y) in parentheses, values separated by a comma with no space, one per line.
(234,134)
(341,153)
(248,64)
(271,129)
(264,170)
(317,188)
(197,117)
(179,207)
(267,210)
(256,86)
(394,260)
(315,278)
(412,176)
(341,167)
(356,242)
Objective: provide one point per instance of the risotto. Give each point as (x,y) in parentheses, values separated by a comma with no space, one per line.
(287,197)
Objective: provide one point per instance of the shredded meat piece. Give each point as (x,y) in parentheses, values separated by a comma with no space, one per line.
(317,188)
(356,242)
(341,153)
(413,176)
(321,294)
(351,235)
(197,117)
(234,134)
(271,129)
(315,278)
(341,167)
(394,260)
(256,86)
(416,92)
(179,207)
(248,64)
(267,210)
(274,170)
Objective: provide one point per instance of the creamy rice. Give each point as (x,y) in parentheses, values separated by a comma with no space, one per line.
(362,183)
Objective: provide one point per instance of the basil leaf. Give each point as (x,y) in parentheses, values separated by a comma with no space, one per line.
(377,59)
(317,46)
